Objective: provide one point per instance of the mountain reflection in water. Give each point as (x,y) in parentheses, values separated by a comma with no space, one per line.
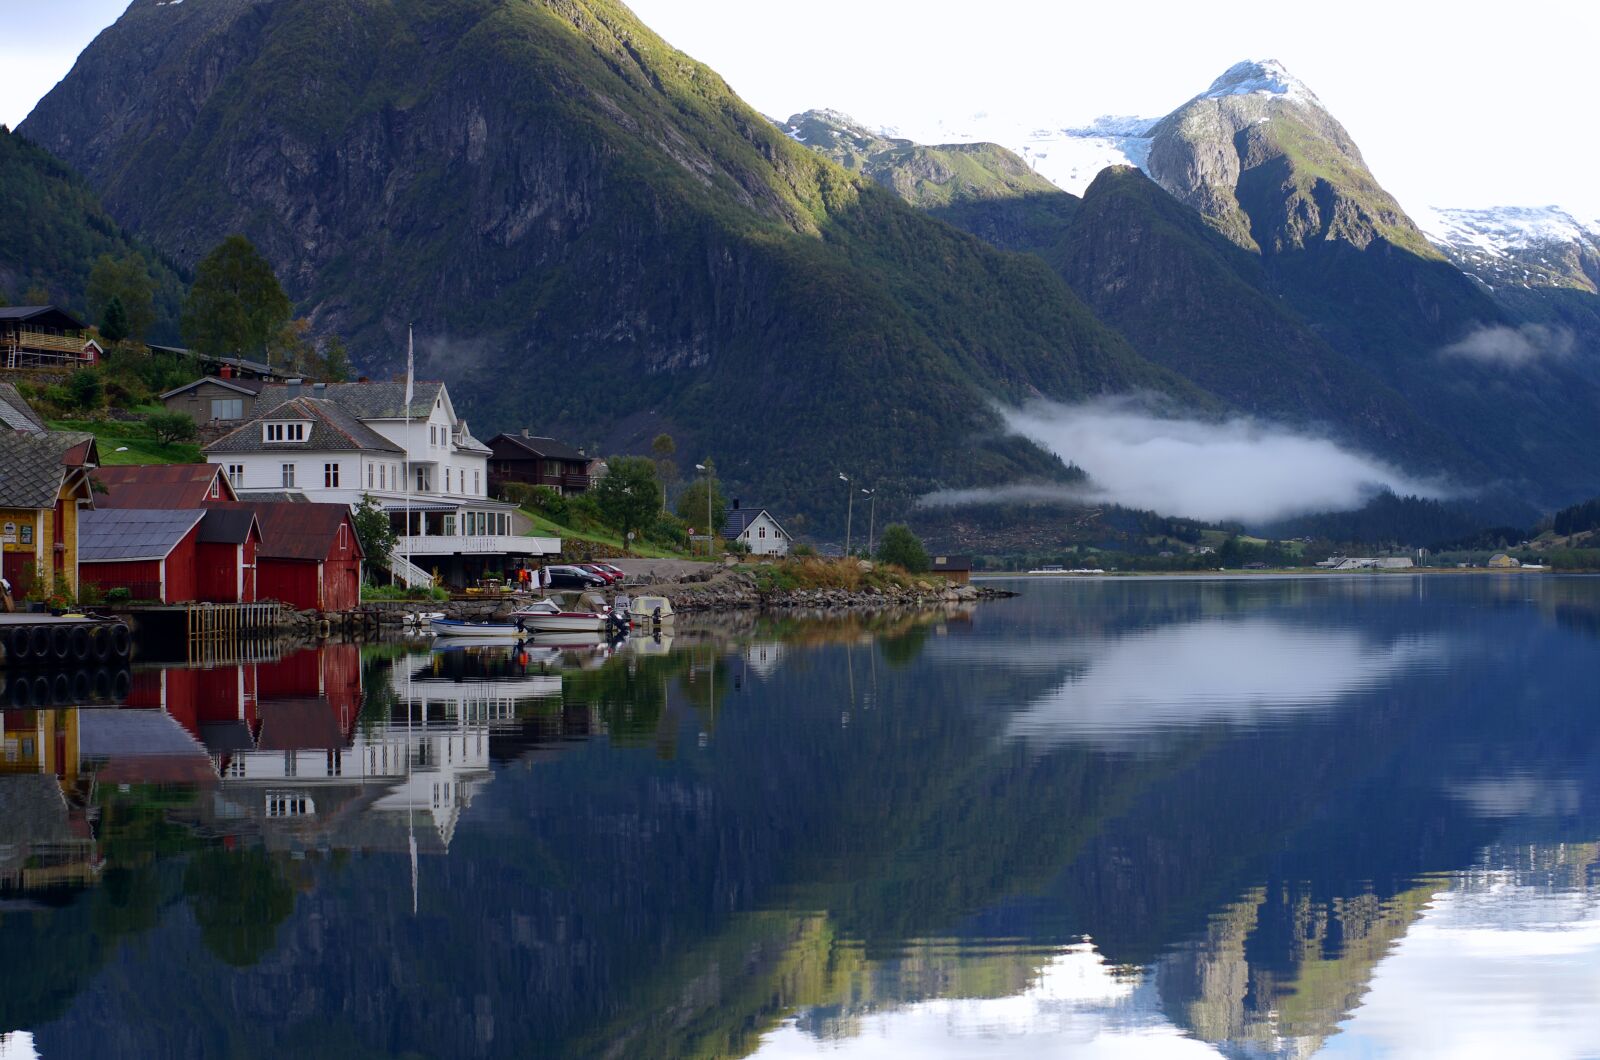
(1252,817)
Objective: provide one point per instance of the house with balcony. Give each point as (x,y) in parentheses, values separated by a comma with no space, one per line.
(43,336)
(335,443)
(536,461)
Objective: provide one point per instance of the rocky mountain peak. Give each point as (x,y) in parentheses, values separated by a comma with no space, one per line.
(1266,77)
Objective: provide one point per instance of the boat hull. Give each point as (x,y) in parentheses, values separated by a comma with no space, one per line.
(453,627)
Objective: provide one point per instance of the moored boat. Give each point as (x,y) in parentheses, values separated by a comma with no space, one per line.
(646,611)
(547,616)
(455,627)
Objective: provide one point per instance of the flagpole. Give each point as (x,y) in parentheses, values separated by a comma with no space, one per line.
(411,371)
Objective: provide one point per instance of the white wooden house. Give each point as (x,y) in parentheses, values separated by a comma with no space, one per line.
(757,529)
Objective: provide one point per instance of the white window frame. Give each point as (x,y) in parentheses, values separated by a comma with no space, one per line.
(286,472)
(236,475)
(330,476)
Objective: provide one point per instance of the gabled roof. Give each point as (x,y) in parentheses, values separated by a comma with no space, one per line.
(44,315)
(33,467)
(299,531)
(229,526)
(246,387)
(538,446)
(737,520)
(333,429)
(118,535)
(298,725)
(15,412)
(161,485)
(367,401)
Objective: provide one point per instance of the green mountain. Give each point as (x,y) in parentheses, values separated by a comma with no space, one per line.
(591,232)
(981,188)
(1258,257)
(53,229)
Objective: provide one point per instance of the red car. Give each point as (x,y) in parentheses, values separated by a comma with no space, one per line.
(599,570)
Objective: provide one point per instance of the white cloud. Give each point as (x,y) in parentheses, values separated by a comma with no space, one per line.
(1512,347)
(1241,469)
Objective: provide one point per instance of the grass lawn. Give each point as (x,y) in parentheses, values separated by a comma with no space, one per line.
(543,527)
(142,446)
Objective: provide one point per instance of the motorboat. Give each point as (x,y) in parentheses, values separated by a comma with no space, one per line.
(420,621)
(589,615)
(455,627)
(647,611)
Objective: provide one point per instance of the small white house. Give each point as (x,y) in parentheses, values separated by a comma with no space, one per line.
(757,529)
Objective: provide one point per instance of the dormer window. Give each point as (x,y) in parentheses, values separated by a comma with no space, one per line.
(283,432)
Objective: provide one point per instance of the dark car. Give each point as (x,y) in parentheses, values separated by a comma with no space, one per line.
(574,578)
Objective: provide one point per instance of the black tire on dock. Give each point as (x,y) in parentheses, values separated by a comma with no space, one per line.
(41,691)
(120,681)
(82,687)
(121,640)
(39,643)
(18,694)
(102,684)
(61,643)
(61,689)
(82,644)
(19,647)
(100,642)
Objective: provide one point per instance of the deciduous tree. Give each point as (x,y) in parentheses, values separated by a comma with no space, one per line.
(236,306)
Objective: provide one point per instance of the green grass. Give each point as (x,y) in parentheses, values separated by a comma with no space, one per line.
(544,527)
(141,446)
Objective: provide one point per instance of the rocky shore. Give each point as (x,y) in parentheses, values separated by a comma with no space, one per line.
(737,594)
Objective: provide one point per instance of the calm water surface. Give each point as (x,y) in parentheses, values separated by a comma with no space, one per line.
(1247,817)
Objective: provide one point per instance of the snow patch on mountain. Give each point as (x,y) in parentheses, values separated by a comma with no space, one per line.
(1070,157)
(1501,229)
(1265,76)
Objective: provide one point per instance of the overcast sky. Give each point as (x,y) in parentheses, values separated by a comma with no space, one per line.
(1453,104)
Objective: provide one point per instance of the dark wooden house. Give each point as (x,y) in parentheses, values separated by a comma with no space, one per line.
(43,336)
(535,461)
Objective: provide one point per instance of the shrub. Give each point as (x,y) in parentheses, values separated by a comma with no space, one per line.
(802,550)
(172,427)
(544,500)
(120,594)
(86,389)
(91,595)
(903,548)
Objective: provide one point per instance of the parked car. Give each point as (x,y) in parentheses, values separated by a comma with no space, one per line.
(603,571)
(614,569)
(574,578)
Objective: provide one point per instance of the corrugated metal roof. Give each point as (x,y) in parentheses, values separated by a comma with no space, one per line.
(160,485)
(32,466)
(111,535)
(298,531)
(333,429)
(228,526)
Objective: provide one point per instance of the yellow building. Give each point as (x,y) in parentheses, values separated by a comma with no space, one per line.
(44,481)
(1501,561)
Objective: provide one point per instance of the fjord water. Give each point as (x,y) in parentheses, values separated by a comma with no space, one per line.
(1134,817)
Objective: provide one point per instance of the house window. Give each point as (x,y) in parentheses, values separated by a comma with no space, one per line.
(433,435)
(447,480)
(216,487)
(330,476)
(475,486)
(424,483)
(383,476)
(450,524)
(284,432)
(236,475)
(369,476)
(288,476)
(344,542)
(227,408)
(762,532)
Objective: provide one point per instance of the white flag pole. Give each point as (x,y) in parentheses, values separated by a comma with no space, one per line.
(411,384)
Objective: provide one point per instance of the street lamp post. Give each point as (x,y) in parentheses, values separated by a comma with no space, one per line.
(849,511)
(872,518)
(702,467)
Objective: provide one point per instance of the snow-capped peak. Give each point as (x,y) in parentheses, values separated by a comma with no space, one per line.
(1267,77)
(1499,229)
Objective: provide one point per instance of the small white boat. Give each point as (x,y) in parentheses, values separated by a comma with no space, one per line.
(455,627)
(548,616)
(649,611)
(420,621)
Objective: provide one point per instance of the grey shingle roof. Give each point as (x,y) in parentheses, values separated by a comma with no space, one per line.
(243,386)
(122,534)
(30,466)
(333,428)
(15,412)
(736,520)
(367,401)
